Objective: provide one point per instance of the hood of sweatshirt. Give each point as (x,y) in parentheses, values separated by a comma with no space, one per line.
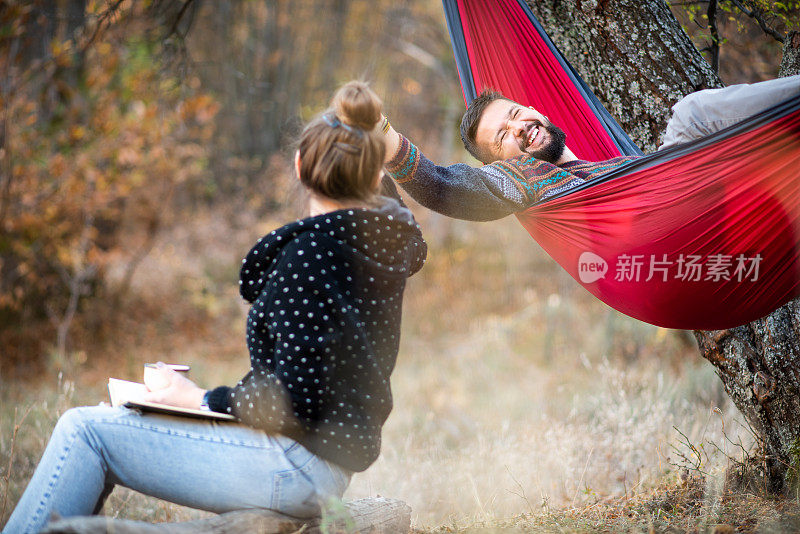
(384,240)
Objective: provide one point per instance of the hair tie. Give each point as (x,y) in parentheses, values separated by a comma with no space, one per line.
(333,121)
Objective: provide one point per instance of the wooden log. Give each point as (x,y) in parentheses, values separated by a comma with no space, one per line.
(375,515)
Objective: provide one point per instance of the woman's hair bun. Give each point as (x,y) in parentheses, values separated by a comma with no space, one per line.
(357,105)
(344,163)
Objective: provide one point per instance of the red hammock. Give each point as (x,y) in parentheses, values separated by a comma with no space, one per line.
(702,236)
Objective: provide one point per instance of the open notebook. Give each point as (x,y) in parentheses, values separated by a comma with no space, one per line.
(129,394)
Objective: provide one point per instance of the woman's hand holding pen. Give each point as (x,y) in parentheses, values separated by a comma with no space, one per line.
(178,390)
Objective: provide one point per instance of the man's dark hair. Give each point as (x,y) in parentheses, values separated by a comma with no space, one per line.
(471,118)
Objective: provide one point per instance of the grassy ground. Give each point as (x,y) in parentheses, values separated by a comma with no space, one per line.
(672,507)
(521,402)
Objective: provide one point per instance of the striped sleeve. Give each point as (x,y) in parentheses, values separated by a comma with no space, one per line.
(477,194)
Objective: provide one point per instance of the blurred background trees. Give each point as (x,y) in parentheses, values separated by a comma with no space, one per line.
(121,117)
(96,138)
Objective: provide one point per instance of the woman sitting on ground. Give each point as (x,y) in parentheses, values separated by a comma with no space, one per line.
(323,333)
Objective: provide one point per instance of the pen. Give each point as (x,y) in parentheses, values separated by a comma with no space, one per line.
(174,366)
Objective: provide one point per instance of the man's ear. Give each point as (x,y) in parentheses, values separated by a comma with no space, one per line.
(297,163)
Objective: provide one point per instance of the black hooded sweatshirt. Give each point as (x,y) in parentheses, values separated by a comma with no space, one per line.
(324,328)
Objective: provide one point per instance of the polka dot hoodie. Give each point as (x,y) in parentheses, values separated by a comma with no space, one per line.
(324,328)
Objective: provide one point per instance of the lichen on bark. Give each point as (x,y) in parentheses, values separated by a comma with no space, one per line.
(634,55)
(758,366)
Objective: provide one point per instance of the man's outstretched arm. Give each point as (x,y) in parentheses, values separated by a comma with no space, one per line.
(463,192)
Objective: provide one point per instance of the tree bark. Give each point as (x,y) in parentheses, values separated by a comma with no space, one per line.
(759,364)
(639,62)
(790,63)
(633,53)
(374,516)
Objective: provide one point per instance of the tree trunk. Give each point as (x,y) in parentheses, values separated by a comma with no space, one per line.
(633,53)
(759,364)
(640,61)
(790,64)
(373,516)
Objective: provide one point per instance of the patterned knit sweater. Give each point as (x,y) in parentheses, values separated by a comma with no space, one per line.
(324,329)
(492,191)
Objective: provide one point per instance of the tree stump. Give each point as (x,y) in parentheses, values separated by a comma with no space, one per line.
(376,515)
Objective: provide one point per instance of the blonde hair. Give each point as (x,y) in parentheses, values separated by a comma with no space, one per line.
(341,151)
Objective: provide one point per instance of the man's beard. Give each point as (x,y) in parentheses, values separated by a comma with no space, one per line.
(552,151)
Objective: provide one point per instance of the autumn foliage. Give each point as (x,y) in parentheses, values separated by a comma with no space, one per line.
(121,117)
(97,140)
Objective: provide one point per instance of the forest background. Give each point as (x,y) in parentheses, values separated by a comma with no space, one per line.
(145,147)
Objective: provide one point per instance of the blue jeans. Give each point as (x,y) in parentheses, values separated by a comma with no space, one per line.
(705,112)
(212,466)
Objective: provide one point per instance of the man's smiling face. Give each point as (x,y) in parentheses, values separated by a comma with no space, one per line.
(507,129)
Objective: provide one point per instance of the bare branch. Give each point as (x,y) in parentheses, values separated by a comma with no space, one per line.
(174,28)
(712,25)
(103,18)
(754,14)
(76,283)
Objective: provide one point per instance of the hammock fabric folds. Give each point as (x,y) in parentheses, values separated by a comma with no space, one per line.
(701,236)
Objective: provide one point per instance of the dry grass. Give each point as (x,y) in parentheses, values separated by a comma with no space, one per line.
(677,504)
(521,402)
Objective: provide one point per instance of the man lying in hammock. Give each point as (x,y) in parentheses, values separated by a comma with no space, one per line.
(526,158)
